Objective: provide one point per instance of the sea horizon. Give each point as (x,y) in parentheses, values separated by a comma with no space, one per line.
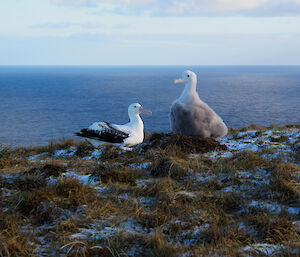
(41,103)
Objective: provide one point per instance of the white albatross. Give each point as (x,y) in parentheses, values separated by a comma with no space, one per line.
(129,134)
(192,117)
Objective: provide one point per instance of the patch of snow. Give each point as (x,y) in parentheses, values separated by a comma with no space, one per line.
(271,207)
(144,182)
(10,178)
(221,154)
(229,189)
(261,177)
(96,154)
(35,157)
(268,249)
(7,192)
(258,141)
(257,177)
(145,202)
(186,193)
(274,207)
(65,153)
(102,189)
(293,210)
(201,177)
(191,237)
(85,179)
(107,229)
(124,196)
(186,254)
(297,225)
(143,165)
(124,149)
(200,229)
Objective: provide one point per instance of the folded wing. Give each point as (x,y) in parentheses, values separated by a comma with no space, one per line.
(103,131)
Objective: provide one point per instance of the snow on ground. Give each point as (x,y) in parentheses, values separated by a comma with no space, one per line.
(65,153)
(270,144)
(105,229)
(96,154)
(37,158)
(85,179)
(144,182)
(279,141)
(297,225)
(146,202)
(267,249)
(274,207)
(141,165)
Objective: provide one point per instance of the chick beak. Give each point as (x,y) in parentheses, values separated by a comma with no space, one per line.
(178,81)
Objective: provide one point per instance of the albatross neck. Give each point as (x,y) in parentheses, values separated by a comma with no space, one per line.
(189,91)
(136,121)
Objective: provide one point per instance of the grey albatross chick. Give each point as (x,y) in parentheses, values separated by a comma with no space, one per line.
(129,134)
(190,116)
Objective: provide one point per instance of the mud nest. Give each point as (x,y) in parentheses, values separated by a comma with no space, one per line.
(186,144)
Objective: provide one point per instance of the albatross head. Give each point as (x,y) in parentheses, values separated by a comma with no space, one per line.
(188,77)
(136,108)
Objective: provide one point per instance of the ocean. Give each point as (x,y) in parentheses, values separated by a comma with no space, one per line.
(40,104)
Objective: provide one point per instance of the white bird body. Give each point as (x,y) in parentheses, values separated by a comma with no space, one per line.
(189,115)
(129,134)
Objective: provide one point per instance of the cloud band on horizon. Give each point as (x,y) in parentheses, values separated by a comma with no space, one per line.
(194,7)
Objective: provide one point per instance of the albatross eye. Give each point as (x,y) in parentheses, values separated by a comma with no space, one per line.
(188,75)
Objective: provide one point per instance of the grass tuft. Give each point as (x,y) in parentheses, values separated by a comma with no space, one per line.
(166,166)
(160,247)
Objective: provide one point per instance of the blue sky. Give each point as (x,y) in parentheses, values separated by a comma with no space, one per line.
(150,32)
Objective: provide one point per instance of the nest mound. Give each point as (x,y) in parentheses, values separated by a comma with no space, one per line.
(186,144)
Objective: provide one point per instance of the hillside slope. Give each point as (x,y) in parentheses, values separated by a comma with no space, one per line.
(170,196)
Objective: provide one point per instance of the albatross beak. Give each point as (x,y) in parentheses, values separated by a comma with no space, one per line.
(145,111)
(178,81)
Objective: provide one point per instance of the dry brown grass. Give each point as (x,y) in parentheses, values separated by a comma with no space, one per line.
(279,139)
(162,187)
(116,174)
(248,160)
(26,183)
(160,247)
(169,201)
(10,159)
(284,183)
(84,149)
(275,230)
(166,166)
(36,206)
(85,249)
(47,170)
(297,154)
(12,242)
(153,219)
(73,194)
(50,148)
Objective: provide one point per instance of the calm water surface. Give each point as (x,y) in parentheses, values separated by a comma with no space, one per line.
(38,104)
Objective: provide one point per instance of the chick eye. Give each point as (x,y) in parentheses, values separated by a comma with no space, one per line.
(188,76)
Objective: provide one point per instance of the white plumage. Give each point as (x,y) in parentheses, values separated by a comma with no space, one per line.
(129,134)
